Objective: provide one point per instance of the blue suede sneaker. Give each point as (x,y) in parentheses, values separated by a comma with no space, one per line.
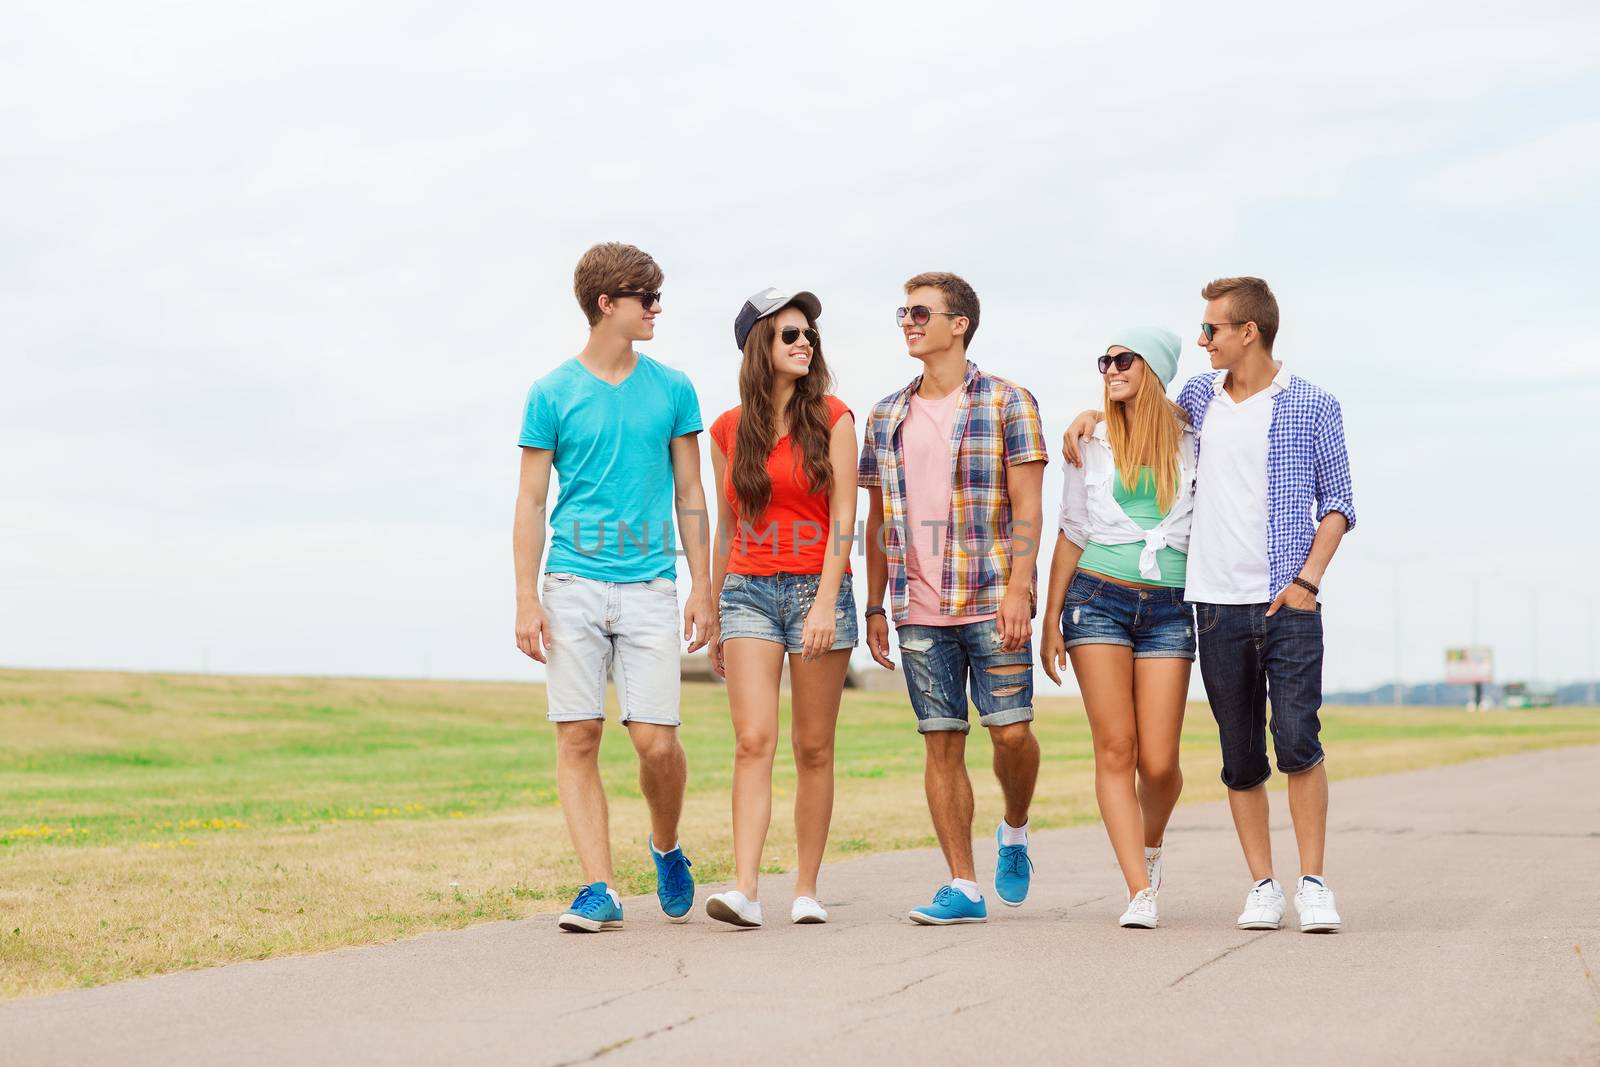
(1012,872)
(674,883)
(592,911)
(950,906)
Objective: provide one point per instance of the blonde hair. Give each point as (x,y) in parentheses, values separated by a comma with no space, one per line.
(1146,437)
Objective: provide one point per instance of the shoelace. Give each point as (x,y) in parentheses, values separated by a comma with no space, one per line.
(946,895)
(588,900)
(1315,896)
(1012,858)
(1262,895)
(678,876)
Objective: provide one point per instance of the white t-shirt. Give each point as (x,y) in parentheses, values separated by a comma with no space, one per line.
(1228,537)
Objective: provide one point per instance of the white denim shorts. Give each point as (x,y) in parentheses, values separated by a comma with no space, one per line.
(629,628)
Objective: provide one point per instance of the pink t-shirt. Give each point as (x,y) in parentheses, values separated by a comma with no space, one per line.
(925,441)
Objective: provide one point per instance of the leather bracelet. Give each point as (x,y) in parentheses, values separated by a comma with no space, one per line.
(876,609)
(1303,584)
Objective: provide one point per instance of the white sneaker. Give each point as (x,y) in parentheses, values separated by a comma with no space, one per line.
(1263,908)
(806,910)
(1141,911)
(1314,901)
(1152,867)
(734,907)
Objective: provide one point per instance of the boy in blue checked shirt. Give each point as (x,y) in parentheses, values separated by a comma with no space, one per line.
(953,465)
(1272,500)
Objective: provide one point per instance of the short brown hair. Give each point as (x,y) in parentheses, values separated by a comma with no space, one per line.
(1249,300)
(608,267)
(957,294)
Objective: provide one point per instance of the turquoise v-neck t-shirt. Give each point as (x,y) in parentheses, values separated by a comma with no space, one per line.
(613,460)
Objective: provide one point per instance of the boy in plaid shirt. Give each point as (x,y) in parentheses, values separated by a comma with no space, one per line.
(953,465)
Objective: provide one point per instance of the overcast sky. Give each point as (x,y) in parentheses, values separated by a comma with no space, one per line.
(275,280)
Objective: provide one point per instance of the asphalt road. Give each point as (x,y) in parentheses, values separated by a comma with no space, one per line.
(1470,894)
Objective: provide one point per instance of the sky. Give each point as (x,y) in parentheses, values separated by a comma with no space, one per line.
(274,280)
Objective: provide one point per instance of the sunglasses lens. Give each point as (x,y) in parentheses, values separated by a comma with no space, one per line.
(813,337)
(921,314)
(1104,363)
(789,334)
(901,313)
(1207,330)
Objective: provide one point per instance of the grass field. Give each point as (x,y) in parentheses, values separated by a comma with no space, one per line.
(151,823)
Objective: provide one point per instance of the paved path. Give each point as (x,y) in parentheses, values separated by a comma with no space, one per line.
(1471,898)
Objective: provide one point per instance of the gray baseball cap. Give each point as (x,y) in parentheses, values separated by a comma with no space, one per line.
(768,302)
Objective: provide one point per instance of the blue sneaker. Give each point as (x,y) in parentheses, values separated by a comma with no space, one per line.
(592,911)
(1012,873)
(950,906)
(674,883)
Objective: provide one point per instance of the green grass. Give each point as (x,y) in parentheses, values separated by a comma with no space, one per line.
(154,822)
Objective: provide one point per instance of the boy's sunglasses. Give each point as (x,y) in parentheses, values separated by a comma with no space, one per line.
(1123,360)
(791,334)
(1208,330)
(649,298)
(920,314)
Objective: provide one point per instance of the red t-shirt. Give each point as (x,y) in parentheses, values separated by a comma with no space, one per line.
(792,535)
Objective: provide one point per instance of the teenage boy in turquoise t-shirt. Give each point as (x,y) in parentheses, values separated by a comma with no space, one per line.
(619,429)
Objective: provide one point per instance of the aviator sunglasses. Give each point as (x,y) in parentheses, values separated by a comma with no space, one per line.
(790,334)
(1123,360)
(1208,330)
(920,314)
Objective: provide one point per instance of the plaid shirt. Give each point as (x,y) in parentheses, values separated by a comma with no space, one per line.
(1308,470)
(996,426)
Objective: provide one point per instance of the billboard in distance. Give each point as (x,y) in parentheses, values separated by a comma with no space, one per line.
(1471,665)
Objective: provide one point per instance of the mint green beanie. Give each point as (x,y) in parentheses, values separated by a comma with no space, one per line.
(1159,349)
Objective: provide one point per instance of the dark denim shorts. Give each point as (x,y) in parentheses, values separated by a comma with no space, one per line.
(1245,658)
(773,607)
(1155,623)
(939,660)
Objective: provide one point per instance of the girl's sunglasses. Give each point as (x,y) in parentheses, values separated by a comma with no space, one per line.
(920,314)
(1123,360)
(790,334)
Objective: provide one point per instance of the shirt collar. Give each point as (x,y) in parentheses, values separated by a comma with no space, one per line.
(1279,384)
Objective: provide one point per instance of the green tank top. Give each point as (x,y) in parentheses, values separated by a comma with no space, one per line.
(1122,561)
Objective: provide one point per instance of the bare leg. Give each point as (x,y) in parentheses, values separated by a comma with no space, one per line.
(1308,807)
(755,668)
(663,771)
(1016,765)
(1160,692)
(583,797)
(1105,677)
(815,688)
(1250,819)
(950,799)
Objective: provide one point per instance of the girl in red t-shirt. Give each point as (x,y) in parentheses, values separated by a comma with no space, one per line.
(785,470)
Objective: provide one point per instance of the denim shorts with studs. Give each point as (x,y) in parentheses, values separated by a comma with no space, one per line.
(773,607)
(1155,623)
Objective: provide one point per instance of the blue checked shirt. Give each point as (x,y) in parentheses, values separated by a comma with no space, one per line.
(1308,470)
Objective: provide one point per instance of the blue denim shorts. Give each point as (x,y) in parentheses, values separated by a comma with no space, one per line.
(1155,623)
(939,660)
(1247,658)
(772,607)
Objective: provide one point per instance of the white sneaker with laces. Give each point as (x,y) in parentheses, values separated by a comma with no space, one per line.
(806,910)
(1152,867)
(1263,908)
(1141,913)
(1314,901)
(734,907)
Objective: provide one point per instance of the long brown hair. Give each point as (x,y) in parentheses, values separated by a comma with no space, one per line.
(758,430)
(1146,436)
